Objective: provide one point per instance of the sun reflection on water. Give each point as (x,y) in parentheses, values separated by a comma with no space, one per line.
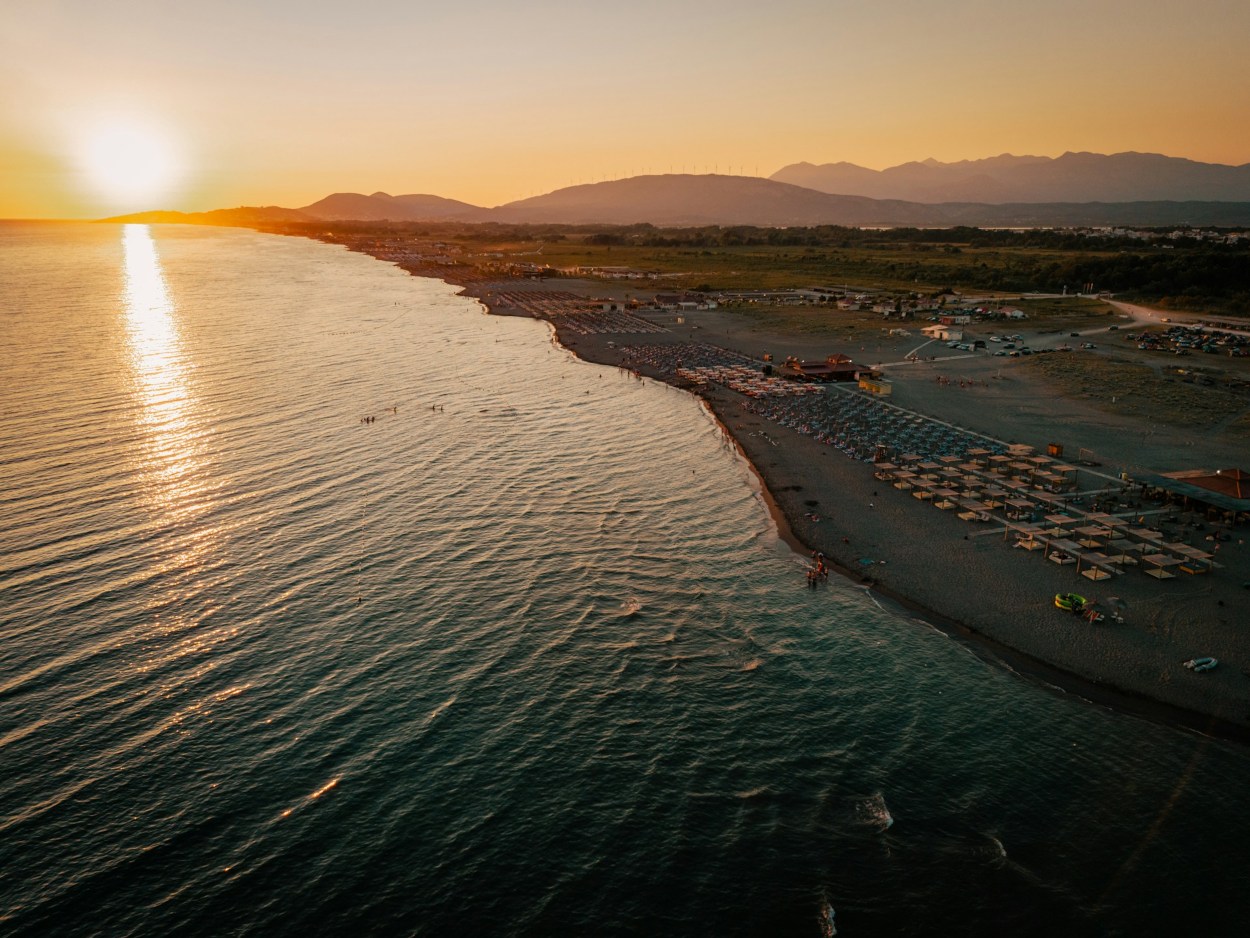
(174,487)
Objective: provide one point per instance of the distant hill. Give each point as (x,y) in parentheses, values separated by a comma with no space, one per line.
(675,200)
(345,206)
(243,217)
(1073,177)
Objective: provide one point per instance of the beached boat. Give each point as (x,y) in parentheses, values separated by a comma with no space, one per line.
(1070,602)
(1201,664)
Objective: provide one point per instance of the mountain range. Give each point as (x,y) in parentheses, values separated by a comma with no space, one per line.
(1076,189)
(1073,177)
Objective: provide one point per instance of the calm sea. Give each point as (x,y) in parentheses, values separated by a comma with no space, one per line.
(522,655)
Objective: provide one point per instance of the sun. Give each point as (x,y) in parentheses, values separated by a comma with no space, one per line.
(129,163)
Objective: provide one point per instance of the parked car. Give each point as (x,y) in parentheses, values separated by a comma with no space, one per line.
(1074,335)
(1088,345)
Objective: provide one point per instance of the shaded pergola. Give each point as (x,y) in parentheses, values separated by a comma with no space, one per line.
(1093,565)
(1097,545)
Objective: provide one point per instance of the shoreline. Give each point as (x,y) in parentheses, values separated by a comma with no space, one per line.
(787,520)
(1023,665)
(795,464)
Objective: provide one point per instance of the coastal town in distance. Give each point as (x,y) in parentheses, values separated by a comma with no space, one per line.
(1061,475)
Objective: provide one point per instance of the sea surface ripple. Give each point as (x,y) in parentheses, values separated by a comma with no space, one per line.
(520,655)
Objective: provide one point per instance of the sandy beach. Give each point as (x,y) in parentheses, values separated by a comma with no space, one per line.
(968,580)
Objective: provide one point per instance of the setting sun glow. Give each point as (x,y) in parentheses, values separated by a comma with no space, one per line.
(129,163)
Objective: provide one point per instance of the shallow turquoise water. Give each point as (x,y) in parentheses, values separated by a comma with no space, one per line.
(521,656)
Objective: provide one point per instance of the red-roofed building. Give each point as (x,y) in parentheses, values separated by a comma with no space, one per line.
(834,368)
(1225,489)
(1235,483)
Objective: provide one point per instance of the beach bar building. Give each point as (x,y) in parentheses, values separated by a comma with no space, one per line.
(833,368)
(1224,490)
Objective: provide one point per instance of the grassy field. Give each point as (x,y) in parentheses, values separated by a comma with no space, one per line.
(1047,315)
(1138,390)
(893,268)
(888,266)
(806,320)
(1067,312)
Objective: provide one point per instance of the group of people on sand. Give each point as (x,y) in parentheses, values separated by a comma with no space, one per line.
(944,381)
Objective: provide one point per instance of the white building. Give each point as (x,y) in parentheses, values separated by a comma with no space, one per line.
(944,333)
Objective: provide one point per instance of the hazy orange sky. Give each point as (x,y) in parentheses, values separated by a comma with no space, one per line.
(248,102)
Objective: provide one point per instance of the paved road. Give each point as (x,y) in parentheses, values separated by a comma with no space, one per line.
(1146,314)
(1142,315)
